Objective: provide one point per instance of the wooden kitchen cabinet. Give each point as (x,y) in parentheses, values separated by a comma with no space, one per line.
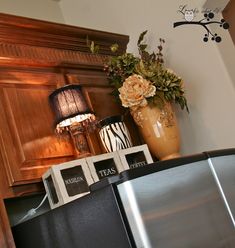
(36,58)
(28,143)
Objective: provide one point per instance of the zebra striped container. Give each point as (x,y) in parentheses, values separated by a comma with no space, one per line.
(114,133)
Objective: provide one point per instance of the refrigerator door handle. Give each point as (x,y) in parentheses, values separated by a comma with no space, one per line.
(221,191)
(134,216)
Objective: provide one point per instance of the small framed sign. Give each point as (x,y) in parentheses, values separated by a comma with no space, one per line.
(134,157)
(104,165)
(67,182)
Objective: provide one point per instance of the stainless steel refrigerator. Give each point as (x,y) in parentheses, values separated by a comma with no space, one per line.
(185,202)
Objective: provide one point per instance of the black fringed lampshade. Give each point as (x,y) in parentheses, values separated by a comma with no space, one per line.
(69,106)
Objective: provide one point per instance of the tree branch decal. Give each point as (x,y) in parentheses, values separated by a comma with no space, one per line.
(207,20)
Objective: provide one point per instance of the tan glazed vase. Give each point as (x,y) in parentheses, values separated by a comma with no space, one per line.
(159,130)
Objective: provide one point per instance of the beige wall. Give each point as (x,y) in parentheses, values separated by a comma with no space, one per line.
(209,86)
(208,79)
(48,10)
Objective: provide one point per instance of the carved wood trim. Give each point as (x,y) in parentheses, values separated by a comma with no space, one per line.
(47,34)
(30,42)
(41,56)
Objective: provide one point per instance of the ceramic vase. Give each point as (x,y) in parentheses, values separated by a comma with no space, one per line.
(159,130)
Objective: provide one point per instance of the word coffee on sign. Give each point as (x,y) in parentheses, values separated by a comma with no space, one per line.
(138,164)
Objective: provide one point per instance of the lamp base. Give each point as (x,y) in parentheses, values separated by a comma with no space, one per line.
(80,143)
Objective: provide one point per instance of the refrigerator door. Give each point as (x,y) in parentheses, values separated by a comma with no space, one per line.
(92,221)
(222,163)
(176,208)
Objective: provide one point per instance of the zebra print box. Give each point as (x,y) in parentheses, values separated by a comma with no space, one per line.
(134,157)
(67,181)
(114,133)
(104,165)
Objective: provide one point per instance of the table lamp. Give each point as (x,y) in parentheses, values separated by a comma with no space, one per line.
(73,115)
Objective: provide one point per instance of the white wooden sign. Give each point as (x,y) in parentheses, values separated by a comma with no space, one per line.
(104,165)
(134,157)
(67,181)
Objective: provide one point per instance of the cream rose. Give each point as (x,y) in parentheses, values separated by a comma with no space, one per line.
(135,90)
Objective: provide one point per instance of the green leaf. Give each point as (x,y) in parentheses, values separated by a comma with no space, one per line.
(141,37)
(169,87)
(114,47)
(143,47)
(94,48)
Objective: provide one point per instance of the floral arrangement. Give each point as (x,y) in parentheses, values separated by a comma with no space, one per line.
(141,80)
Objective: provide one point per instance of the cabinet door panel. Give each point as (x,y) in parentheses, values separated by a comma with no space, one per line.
(101,101)
(30,144)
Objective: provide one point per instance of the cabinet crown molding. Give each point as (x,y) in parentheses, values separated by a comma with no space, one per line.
(22,37)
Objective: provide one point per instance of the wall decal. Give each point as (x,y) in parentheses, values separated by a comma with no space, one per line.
(208,18)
